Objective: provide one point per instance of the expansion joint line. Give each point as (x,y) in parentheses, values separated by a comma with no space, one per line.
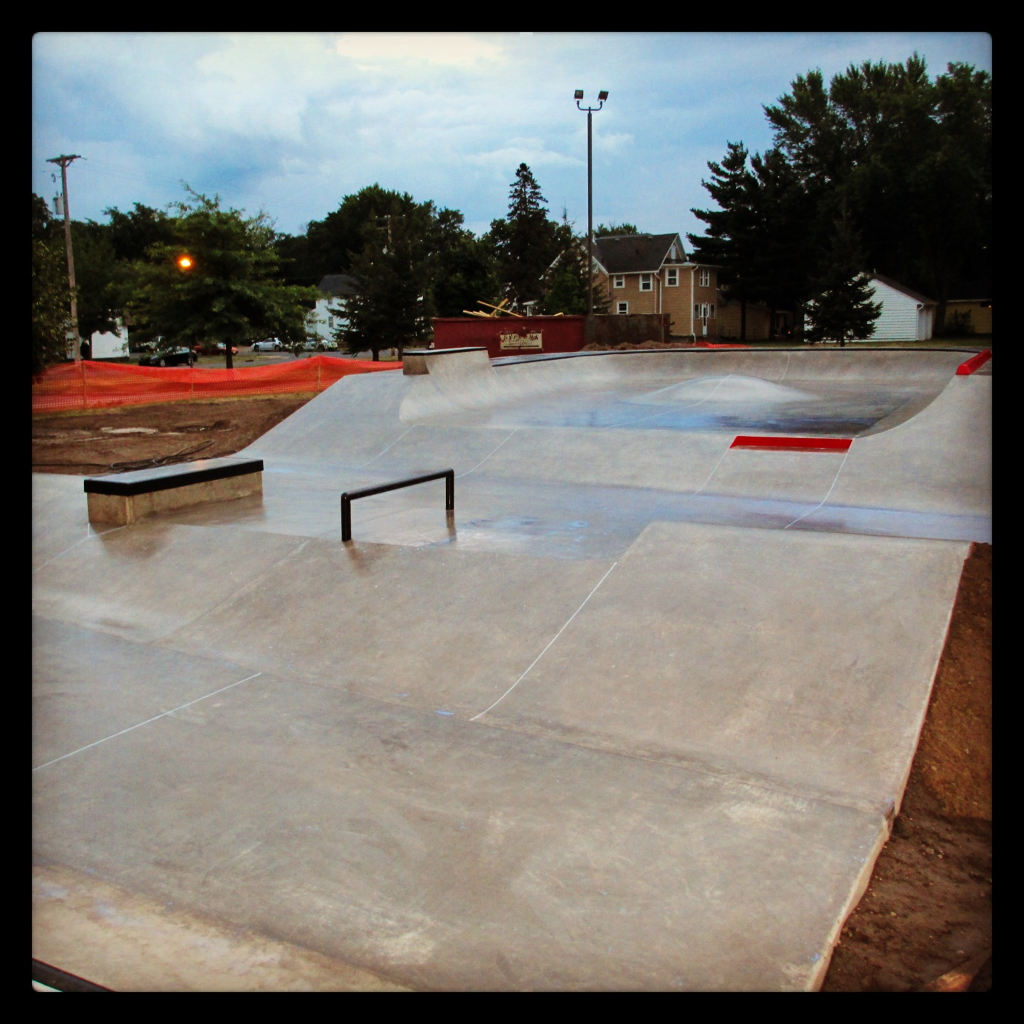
(550,642)
(389,447)
(835,480)
(488,455)
(163,714)
(786,370)
(90,533)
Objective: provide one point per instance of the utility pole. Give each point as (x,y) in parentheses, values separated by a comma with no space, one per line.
(64,161)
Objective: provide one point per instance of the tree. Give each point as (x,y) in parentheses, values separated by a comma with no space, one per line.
(524,243)
(460,269)
(840,308)
(51,309)
(388,309)
(334,242)
(96,278)
(602,230)
(729,241)
(231,292)
(133,234)
(911,160)
(784,240)
(566,280)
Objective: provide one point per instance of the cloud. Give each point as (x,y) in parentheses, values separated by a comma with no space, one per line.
(451,49)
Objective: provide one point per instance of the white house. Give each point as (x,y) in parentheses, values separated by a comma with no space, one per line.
(108,344)
(328,315)
(906,315)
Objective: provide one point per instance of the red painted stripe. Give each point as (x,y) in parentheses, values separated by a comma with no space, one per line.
(806,444)
(973,363)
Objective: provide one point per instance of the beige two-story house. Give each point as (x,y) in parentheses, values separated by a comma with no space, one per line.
(651,274)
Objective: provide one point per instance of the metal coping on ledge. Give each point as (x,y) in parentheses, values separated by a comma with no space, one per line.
(163,478)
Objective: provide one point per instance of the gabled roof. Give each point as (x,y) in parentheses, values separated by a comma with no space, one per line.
(633,254)
(338,286)
(909,292)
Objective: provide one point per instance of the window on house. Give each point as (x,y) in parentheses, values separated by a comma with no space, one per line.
(622,307)
(705,278)
(696,310)
(645,283)
(712,311)
(619,281)
(672,277)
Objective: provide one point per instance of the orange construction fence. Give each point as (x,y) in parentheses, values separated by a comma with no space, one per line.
(91,385)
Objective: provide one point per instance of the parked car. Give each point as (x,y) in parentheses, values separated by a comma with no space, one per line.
(221,347)
(319,345)
(169,357)
(267,345)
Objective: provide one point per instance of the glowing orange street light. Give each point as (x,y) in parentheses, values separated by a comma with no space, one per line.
(185,262)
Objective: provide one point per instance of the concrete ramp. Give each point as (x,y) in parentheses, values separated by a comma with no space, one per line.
(636,716)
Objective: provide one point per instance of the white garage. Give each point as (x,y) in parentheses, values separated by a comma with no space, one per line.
(906,315)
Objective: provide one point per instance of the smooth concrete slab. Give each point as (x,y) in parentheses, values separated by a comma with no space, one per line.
(757,652)
(635,716)
(95,928)
(440,854)
(437,629)
(142,584)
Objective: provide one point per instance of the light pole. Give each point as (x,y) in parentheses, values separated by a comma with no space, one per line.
(601,97)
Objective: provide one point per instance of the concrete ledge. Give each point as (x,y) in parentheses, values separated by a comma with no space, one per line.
(414,360)
(124,498)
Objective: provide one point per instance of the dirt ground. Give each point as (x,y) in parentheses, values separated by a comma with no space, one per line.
(925,921)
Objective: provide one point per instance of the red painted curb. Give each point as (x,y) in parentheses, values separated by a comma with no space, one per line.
(973,363)
(803,444)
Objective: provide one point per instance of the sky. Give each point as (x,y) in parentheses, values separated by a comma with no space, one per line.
(291,123)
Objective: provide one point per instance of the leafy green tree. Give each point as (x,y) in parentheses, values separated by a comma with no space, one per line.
(50,304)
(460,268)
(525,242)
(51,300)
(334,242)
(840,308)
(230,293)
(132,234)
(96,278)
(388,310)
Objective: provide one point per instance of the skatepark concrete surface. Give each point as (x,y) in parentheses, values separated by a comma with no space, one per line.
(637,715)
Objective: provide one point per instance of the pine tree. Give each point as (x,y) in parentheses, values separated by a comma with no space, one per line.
(729,239)
(525,243)
(841,308)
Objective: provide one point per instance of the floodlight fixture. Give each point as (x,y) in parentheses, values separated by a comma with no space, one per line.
(579,94)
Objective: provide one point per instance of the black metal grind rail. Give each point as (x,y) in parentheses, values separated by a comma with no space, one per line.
(365,492)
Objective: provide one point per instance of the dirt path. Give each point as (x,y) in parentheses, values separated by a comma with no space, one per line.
(925,922)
